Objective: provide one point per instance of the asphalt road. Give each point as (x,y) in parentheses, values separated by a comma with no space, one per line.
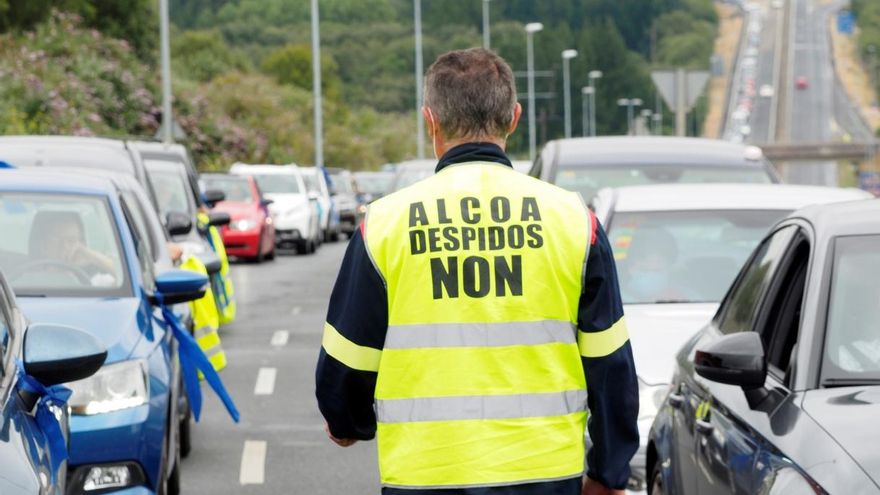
(279,413)
(765,74)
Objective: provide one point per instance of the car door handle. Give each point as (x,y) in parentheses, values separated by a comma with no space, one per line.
(676,400)
(704,427)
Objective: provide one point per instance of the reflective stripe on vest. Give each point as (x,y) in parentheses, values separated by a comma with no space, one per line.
(480,380)
(205,319)
(220,283)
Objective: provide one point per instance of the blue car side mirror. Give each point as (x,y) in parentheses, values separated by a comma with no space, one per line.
(56,354)
(177,286)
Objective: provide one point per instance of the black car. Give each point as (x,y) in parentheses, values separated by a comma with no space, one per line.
(586,165)
(780,393)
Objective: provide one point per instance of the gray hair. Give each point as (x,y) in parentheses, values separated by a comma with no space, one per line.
(472,94)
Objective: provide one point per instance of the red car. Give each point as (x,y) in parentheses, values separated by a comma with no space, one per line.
(801,82)
(251,233)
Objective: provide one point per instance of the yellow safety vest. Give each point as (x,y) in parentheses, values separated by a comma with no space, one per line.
(480,381)
(226,307)
(205,319)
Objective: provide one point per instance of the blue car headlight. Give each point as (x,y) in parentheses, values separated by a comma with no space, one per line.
(114,387)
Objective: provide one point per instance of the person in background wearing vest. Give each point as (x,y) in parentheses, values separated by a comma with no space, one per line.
(473,311)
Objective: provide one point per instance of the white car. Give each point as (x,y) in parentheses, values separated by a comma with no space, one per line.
(319,192)
(409,172)
(766,91)
(294,215)
(678,248)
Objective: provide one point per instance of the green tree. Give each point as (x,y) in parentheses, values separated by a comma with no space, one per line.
(292,64)
(204,55)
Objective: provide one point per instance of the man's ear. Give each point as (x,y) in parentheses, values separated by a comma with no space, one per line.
(517,113)
(430,123)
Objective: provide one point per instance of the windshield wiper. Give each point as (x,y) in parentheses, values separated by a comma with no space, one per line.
(672,301)
(849,382)
(29,294)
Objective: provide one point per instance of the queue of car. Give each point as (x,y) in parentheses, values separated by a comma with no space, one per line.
(94,230)
(759,379)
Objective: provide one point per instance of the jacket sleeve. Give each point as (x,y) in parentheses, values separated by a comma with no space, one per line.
(612,384)
(357,321)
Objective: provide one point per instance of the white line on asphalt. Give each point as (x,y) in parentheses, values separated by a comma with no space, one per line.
(253,463)
(296,310)
(265,381)
(280,338)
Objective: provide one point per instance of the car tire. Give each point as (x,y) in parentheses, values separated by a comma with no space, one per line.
(260,256)
(270,255)
(169,483)
(184,431)
(656,483)
(313,246)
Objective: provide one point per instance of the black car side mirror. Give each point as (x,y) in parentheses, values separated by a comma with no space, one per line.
(266,201)
(736,359)
(213,196)
(178,223)
(218,218)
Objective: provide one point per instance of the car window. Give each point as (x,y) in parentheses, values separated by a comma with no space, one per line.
(236,189)
(171,186)
(780,321)
(140,219)
(145,260)
(852,348)
(61,245)
(342,183)
(742,304)
(588,180)
(684,256)
(277,183)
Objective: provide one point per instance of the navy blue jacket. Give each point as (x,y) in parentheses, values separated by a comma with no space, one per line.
(359,311)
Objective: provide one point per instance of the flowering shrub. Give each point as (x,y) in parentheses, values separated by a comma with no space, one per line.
(62,78)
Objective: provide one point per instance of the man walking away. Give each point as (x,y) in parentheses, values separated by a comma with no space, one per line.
(472,313)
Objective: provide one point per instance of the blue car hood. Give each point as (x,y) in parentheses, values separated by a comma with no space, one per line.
(117,322)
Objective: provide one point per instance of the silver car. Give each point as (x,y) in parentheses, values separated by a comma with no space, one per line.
(678,248)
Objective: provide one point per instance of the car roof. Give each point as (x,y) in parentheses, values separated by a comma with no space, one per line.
(159,147)
(677,197)
(849,218)
(56,181)
(52,151)
(416,165)
(658,150)
(246,168)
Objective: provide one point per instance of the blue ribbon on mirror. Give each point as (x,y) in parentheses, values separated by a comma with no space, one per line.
(55,395)
(193,360)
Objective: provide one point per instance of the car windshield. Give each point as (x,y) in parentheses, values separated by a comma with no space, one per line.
(374,184)
(60,245)
(852,349)
(588,180)
(277,183)
(236,189)
(170,186)
(406,178)
(684,256)
(342,183)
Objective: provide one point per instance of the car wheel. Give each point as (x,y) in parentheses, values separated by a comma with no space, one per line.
(657,485)
(260,256)
(302,247)
(169,483)
(271,254)
(334,237)
(313,246)
(184,431)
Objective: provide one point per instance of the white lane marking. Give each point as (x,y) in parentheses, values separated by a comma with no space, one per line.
(253,463)
(296,310)
(280,338)
(265,381)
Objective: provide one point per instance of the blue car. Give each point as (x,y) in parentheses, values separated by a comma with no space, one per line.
(77,251)
(34,359)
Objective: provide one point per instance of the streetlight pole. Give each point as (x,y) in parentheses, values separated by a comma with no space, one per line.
(586,96)
(316,87)
(646,119)
(486,38)
(630,104)
(420,122)
(567,55)
(531,29)
(593,76)
(167,117)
